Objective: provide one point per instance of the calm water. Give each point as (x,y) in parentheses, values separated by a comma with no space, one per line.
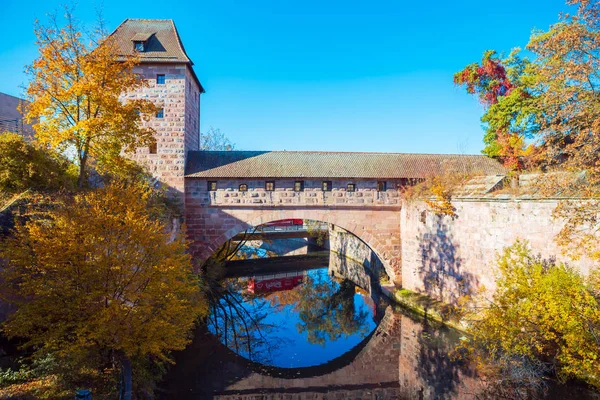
(293,319)
(315,329)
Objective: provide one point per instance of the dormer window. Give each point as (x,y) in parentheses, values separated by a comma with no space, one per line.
(138,45)
(140,41)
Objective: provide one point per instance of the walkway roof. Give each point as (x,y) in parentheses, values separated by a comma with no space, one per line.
(316,164)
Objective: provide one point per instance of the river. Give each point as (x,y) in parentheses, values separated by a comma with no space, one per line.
(317,327)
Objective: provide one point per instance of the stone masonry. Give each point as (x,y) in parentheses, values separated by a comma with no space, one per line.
(172,85)
(446,257)
(213,217)
(178,131)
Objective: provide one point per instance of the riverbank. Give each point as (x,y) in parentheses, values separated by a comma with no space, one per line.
(425,306)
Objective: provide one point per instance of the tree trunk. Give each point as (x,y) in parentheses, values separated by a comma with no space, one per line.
(82,163)
(81,179)
(127,377)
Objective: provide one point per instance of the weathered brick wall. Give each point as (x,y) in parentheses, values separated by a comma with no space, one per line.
(366,193)
(212,218)
(178,131)
(446,257)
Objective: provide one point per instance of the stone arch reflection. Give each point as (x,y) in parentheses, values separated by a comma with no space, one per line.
(325,299)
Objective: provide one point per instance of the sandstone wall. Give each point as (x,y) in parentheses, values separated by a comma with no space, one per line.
(228,193)
(213,217)
(445,257)
(350,246)
(178,131)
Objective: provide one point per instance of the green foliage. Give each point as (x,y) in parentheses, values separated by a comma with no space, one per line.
(540,311)
(10,377)
(503,86)
(26,166)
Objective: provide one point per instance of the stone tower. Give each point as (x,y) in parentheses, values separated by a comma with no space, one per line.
(173,87)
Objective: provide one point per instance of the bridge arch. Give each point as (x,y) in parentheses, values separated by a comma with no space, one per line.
(210,227)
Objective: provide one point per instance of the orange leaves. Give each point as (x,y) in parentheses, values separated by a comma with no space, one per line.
(75,93)
(98,273)
(440,204)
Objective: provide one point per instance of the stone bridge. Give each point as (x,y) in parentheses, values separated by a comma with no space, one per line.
(227,192)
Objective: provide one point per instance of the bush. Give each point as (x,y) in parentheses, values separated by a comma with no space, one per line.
(24,166)
(543,312)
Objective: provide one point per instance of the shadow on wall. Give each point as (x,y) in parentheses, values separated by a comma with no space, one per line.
(441,267)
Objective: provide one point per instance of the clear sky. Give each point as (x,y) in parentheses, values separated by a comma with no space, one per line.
(319,74)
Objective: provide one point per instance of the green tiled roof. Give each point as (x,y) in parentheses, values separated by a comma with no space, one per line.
(313,164)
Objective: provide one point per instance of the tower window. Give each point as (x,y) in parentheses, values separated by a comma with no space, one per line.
(351,187)
(212,186)
(160,79)
(243,187)
(298,186)
(153,148)
(326,186)
(381,186)
(160,113)
(138,45)
(269,186)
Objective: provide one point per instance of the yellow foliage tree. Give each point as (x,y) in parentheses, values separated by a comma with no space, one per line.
(75,96)
(543,317)
(440,204)
(97,274)
(24,166)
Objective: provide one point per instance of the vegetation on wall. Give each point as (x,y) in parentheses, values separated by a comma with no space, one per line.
(544,317)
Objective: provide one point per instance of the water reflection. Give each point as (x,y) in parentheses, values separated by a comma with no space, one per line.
(292,319)
(313,333)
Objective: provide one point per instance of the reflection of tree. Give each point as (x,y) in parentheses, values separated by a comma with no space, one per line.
(281,299)
(328,312)
(237,318)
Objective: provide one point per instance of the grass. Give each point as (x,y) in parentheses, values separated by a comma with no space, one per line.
(425,305)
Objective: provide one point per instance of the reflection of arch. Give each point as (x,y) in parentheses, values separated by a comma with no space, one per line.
(302,372)
(210,227)
(212,370)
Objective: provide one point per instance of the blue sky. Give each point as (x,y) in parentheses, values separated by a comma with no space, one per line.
(319,75)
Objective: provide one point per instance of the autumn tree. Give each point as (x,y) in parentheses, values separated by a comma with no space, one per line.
(215,140)
(566,73)
(543,317)
(552,99)
(502,87)
(97,278)
(24,165)
(75,92)
(440,203)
